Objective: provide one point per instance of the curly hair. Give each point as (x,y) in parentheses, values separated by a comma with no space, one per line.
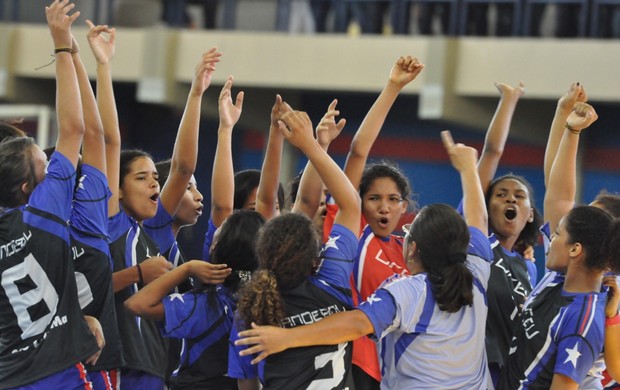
(287,249)
(442,236)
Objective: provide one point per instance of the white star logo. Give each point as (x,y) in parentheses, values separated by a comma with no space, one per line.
(371,299)
(176,296)
(331,243)
(81,181)
(573,354)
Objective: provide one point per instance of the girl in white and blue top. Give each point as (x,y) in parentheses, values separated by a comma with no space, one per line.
(430,326)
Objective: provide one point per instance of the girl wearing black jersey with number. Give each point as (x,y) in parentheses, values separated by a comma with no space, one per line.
(44,336)
(293,286)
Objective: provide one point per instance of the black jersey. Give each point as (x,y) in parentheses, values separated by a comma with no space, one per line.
(42,329)
(509,286)
(558,333)
(328,292)
(92,262)
(143,345)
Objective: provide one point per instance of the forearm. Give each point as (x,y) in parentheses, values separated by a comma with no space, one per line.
(146,303)
(93,150)
(562,181)
(345,195)
(335,329)
(222,179)
(495,139)
(68,108)
(612,351)
(368,132)
(474,206)
(185,153)
(555,136)
(309,193)
(267,194)
(125,278)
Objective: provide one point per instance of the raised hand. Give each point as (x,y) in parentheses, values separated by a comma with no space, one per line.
(298,130)
(583,116)
(204,71)
(462,157)
(209,273)
(405,70)
(229,112)
(509,92)
(275,111)
(154,267)
(101,40)
(576,94)
(327,129)
(59,22)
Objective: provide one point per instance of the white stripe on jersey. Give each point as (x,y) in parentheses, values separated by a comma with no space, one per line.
(362,261)
(541,353)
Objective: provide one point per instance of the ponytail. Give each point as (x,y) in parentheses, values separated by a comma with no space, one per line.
(260,301)
(451,283)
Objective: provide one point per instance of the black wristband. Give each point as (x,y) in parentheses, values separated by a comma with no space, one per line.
(64,49)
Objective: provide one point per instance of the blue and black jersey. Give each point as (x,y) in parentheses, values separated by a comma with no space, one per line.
(42,329)
(92,262)
(144,347)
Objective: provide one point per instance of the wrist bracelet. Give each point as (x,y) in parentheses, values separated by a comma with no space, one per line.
(141,279)
(64,49)
(567,126)
(615,320)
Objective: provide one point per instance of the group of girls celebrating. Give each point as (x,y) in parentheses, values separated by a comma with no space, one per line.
(96,292)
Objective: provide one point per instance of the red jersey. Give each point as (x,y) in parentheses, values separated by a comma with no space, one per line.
(377,259)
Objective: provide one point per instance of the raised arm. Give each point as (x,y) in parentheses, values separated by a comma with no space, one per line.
(147,302)
(185,153)
(562,182)
(93,149)
(310,186)
(497,133)
(68,102)
(267,194)
(102,43)
(222,179)
(405,70)
(464,159)
(612,329)
(299,133)
(575,94)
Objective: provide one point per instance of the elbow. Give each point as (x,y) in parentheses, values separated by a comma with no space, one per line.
(133,306)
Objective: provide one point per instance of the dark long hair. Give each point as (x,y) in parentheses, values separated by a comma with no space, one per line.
(442,237)
(598,233)
(245,182)
(287,249)
(16,168)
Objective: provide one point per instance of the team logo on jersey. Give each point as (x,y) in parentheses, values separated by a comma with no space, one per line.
(331,243)
(573,354)
(372,299)
(176,296)
(81,181)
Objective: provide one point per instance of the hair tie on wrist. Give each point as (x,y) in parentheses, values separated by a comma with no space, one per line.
(615,320)
(64,49)
(567,126)
(141,279)
(56,51)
